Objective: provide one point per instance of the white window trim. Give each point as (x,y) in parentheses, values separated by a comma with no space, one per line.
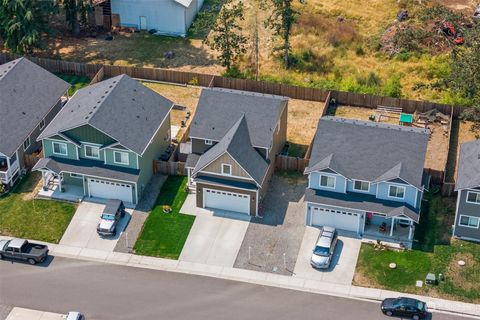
(360,190)
(76,176)
(478,195)
(93,147)
(208,142)
(392,197)
(28,145)
(123,163)
(328,176)
(41,126)
(468,226)
(60,143)
(229,166)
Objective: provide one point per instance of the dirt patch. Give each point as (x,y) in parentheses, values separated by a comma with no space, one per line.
(437,148)
(359,113)
(465,277)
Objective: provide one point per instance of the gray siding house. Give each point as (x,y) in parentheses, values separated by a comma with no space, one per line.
(235,136)
(467,217)
(30,97)
(103,142)
(366,178)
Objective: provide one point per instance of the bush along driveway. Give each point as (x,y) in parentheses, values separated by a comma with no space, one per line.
(164,234)
(23,217)
(433,252)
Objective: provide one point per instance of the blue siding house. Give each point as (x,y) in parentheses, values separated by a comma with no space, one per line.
(169,17)
(366,178)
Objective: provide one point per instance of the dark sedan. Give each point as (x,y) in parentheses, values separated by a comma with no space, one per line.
(405,308)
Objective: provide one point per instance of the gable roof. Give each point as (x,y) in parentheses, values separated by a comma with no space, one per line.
(219,109)
(236,143)
(468,172)
(369,151)
(120,107)
(27,94)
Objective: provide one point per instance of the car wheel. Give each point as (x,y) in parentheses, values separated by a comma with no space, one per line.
(415,317)
(31,261)
(389,313)
(1,256)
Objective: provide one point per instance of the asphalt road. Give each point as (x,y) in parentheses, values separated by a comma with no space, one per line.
(104,291)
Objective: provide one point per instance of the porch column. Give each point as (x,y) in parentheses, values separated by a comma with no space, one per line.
(60,182)
(410,228)
(45,182)
(391,227)
(188,173)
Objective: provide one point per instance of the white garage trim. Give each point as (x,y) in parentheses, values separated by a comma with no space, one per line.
(225,200)
(339,218)
(110,190)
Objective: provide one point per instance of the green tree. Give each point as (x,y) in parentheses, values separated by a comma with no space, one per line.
(281,22)
(226,34)
(465,75)
(76,13)
(23,23)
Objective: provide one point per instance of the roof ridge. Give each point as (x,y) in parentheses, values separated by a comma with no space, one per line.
(15,63)
(247,93)
(374,124)
(108,93)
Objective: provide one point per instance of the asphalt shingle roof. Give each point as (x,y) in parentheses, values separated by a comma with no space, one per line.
(120,107)
(219,109)
(236,142)
(27,94)
(369,151)
(468,173)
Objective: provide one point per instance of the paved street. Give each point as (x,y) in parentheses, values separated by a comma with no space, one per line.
(105,291)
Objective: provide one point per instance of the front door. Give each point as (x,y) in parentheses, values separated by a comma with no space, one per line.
(143,23)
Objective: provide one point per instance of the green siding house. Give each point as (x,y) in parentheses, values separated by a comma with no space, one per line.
(102,144)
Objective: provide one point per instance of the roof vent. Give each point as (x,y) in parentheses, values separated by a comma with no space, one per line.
(138,117)
(86,117)
(23,112)
(106,92)
(479,156)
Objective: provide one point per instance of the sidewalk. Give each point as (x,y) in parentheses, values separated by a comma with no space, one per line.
(254,277)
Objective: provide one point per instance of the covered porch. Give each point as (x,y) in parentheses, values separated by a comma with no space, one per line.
(55,187)
(394,229)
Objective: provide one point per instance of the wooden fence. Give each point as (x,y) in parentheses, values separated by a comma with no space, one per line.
(290,163)
(170,168)
(99,76)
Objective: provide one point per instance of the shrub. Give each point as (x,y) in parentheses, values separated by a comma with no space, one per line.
(393,87)
(359,51)
(194,81)
(342,32)
(403,56)
(372,80)
(307,60)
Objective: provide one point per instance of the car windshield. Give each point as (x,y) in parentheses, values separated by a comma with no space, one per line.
(321,251)
(420,305)
(108,217)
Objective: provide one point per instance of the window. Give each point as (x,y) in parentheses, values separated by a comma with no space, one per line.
(120,157)
(76,176)
(473,197)
(396,192)
(92,152)
(471,222)
(42,124)
(226,169)
(26,144)
(208,142)
(60,148)
(361,185)
(327,181)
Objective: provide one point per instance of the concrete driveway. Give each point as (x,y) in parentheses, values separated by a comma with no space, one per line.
(215,237)
(29,314)
(341,270)
(82,230)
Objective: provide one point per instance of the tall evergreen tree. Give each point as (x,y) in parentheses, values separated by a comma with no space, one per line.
(76,13)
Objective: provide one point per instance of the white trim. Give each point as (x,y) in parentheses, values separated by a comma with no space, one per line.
(67,138)
(468,226)
(59,143)
(28,145)
(40,125)
(459,194)
(122,163)
(208,142)
(138,161)
(229,169)
(90,143)
(396,186)
(256,205)
(224,185)
(93,148)
(198,138)
(478,197)
(328,176)
(361,181)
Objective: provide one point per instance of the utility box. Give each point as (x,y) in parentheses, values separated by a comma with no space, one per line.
(431,279)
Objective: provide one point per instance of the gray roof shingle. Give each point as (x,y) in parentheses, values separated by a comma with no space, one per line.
(219,109)
(468,173)
(27,94)
(236,142)
(369,151)
(120,107)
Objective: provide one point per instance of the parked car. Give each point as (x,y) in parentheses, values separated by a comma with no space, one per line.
(21,249)
(74,315)
(114,211)
(323,251)
(404,307)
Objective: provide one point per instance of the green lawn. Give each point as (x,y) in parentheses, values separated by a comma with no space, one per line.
(77,82)
(434,252)
(164,234)
(42,220)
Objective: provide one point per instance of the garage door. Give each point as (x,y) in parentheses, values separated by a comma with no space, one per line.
(224,200)
(110,190)
(339,219)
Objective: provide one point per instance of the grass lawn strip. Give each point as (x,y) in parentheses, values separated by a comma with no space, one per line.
(43,220)
(164,234)
(76,82)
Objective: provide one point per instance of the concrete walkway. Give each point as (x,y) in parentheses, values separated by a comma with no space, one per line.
(29,314)
(256,277)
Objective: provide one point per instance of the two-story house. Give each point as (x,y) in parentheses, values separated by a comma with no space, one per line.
(235,136)
(366,178)
(30,97)
(467,217)
(103,142)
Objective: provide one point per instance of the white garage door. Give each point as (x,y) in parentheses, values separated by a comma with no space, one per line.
(110,190)
(339,219)
(224,200)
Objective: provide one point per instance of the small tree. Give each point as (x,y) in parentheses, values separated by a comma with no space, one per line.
(23,22)
(227,37)
(281,22)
